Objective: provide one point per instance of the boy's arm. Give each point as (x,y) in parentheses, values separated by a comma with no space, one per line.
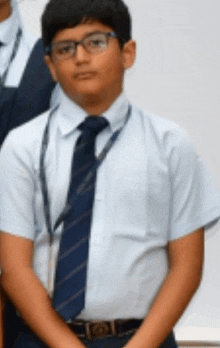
(29,296)
(185,270)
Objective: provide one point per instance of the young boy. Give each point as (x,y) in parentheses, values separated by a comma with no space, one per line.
(144,219)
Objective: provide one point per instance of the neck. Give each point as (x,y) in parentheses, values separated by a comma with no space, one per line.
(97,105)
(5,10)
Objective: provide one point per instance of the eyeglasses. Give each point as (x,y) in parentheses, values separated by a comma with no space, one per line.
(93,43)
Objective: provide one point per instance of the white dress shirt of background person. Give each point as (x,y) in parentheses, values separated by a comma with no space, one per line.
(153,198)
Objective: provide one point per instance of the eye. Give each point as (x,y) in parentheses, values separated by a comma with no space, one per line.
(64,49)
(95,41)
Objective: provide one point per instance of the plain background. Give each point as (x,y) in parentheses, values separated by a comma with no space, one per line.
(177,76)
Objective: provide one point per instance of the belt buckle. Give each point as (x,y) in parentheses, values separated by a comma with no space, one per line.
(100,329)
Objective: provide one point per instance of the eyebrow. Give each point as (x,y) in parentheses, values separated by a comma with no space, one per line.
(84,37)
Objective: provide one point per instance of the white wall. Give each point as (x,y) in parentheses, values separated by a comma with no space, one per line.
(177,75)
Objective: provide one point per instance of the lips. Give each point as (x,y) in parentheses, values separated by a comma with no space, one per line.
(84,75)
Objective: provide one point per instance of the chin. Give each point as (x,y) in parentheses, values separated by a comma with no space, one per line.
(85,96)
(87,92)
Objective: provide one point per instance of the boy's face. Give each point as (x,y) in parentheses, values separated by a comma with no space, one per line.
(87,75)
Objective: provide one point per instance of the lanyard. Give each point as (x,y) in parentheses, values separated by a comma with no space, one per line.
(84,183)
(13,54)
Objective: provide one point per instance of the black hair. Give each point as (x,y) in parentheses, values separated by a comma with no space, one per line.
(62,14)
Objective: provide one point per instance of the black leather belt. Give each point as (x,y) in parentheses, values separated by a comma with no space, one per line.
(99,329)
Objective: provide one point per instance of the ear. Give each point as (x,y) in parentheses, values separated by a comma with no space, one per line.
(129,54)
(51,66)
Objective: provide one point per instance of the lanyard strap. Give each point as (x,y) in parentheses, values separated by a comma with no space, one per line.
(44,144)
(13,54)
(83,184)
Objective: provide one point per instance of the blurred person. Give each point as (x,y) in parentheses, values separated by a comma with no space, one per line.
(16,44)
(24,77)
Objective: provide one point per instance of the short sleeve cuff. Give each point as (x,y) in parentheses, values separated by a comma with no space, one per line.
(16,230)
(206,219)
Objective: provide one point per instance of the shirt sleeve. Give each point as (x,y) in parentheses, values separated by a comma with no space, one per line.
(16,188)
(195,200)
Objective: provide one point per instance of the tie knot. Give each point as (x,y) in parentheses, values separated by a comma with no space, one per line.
(93,124)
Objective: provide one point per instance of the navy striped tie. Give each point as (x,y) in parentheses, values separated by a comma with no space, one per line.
(70,280)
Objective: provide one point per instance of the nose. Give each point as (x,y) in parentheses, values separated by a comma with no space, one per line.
(81,55)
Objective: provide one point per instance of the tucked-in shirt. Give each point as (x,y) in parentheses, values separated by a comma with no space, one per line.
(8,33)
(152,188)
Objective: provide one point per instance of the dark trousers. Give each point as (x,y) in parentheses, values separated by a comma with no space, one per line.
(28,340)
(12,325)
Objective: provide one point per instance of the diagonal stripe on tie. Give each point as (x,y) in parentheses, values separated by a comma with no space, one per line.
(71,274)
(74,247)
(70,280)
(61,307)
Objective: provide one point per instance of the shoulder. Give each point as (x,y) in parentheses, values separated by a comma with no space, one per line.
(163,133)
(160,126)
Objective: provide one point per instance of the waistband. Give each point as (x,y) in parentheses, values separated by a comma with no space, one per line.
(100,329)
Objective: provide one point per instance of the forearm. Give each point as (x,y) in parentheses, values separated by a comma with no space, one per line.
(34,305)
(167,308)
(185,270)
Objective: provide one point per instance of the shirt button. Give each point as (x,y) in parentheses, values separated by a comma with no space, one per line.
(98,197)
(89,287)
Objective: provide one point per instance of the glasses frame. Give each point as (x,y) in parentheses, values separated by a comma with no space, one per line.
(49,48)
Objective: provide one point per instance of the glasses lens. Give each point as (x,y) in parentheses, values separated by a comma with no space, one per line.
(96,42)
(63,50)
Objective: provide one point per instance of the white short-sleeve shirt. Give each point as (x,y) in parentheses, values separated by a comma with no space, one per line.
(152,188)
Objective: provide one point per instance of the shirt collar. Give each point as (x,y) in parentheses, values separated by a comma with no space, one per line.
(9,27)
(70,115)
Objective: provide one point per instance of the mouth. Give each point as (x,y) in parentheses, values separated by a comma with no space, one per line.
(85,75)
